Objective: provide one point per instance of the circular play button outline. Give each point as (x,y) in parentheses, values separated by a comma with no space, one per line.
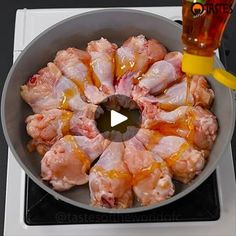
(120,112)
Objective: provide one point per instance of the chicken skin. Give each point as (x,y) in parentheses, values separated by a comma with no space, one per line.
(183,160)
(110,180)
(68,161)
(48,89)
(196,124)
(102,54)
(133,59)
(194,91)
(152,181)
(159,76)
(49,126)
(74,64)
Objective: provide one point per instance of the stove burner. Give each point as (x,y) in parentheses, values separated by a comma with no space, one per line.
(200,205)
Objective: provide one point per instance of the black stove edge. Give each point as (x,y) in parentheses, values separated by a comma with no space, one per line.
(43,209)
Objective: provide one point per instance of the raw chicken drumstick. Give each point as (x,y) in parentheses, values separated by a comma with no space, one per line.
(151,177)
(194,91)
(191,92)
(102,54)
(49,126)
(110,180)
(196,124)
(184,161)
(74,64)
(68,161)
(161,74)
(175,59)
(133,59)
(48,89)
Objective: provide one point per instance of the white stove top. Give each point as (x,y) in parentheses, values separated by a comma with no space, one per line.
(29,23)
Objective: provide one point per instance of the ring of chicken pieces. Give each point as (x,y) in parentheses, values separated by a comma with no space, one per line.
(177,133)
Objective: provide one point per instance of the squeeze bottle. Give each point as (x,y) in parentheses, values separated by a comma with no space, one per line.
(204,22)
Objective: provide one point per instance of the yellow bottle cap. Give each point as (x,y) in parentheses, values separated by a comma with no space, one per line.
(200,65)
(197,65)
(224,78)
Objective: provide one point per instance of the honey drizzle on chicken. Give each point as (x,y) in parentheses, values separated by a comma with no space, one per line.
(174,142)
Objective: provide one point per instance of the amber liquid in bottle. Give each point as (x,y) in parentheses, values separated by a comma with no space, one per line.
(202,32)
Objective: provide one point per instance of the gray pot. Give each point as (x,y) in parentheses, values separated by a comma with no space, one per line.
(116,25)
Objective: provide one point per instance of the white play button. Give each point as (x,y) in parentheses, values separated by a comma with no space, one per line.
(117,118)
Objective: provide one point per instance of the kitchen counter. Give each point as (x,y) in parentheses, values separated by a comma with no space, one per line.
(7,22)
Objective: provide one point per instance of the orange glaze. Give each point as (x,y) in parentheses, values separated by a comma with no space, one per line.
(190,123)
(80,85)
(153,140)
(122,66)
(171,107)
(67,95)
(112,174)
(168,106)
(65,117)
(144,173)
(60,173)
(80,154)
(88,77)
(175,156)
(95,79)
(188,81)
(168,128)
(136,80)
(187,123)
